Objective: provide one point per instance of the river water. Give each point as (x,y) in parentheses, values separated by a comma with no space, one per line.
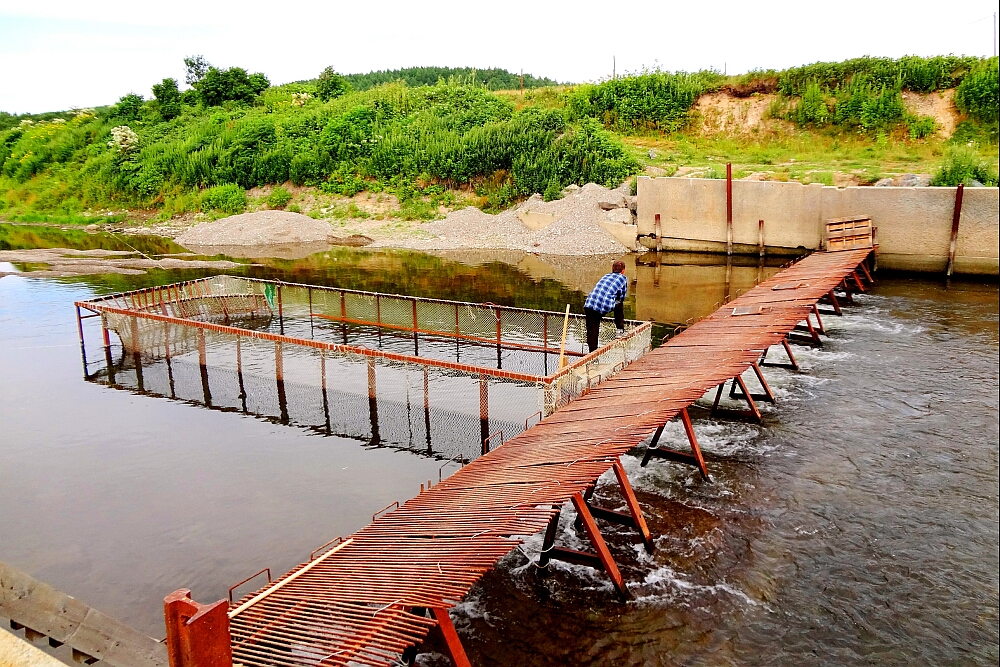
(857,524)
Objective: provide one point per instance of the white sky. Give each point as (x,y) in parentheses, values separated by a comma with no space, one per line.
(60,54)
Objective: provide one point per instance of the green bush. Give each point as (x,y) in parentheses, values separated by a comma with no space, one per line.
(217,86)
(331,85)
(230,199)
(648,101)
(812,108)
(491,79)
(979,93)
(553,190)
(278,198)
(168,98)
(921,127)
(923,75)
(964,164)
(129,107)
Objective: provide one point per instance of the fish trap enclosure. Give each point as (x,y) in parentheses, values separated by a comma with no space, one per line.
(450,379)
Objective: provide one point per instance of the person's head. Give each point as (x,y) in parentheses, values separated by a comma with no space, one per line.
(618,266)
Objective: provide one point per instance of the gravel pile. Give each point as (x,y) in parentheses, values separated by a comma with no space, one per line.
(576,229)
(256,229)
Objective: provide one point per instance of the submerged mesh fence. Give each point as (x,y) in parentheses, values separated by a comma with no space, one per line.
(433,376)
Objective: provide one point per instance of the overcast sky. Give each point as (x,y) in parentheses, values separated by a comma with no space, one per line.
(59,54)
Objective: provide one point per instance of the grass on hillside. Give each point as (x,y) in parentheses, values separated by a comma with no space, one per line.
(398,151)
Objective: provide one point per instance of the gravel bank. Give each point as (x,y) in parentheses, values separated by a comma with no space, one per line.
(256,229)
(575,230)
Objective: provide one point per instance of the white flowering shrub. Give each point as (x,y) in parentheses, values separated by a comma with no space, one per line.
(299,99)
(123,139)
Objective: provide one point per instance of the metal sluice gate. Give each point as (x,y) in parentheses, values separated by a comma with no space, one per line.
(445,378)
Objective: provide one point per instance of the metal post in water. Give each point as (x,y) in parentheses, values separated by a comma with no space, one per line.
(312,333)
(416,343)
(203,367)
(239,374)
(427,412)
(326,400)
(658,230)
(137,354)
(956,216)
(373,403)
(107,350)
(281,315)
(484,409)
(83,346)
(279,375)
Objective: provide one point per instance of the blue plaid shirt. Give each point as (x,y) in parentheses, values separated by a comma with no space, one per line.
(606,294)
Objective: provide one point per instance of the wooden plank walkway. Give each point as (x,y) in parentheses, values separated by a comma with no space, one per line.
(355,602)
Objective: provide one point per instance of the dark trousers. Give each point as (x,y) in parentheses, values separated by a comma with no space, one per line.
(594,318)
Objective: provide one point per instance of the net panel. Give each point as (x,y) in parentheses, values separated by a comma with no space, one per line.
(437,377)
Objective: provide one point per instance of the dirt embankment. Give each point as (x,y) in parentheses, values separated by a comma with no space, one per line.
(723,113)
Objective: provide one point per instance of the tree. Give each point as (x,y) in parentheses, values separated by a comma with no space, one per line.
(331,85)
(129,107)
(195,68)
(220,85)
(168,98)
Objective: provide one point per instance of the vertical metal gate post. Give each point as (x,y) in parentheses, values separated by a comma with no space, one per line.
(729,209)
(956,216)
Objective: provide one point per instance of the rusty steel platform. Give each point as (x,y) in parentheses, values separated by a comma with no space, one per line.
(371,598)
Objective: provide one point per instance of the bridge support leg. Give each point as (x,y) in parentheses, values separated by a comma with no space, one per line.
(768,395)
(857,281)
(197,634)
(864,269)
(634,519)
(794,365)
(451,640)
(601,560)
(819,322)
(695,458)
(832,299)
(753,413)
(813,338)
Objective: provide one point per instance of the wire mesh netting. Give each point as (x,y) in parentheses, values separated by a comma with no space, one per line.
(434,376)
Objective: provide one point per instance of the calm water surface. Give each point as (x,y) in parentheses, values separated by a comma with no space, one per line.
(858,524)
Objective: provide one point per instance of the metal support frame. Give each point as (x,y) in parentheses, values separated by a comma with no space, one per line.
(695,458)
(633,519)
(451,640)
(753,413)
(812,339)
(601,560)
(793,364)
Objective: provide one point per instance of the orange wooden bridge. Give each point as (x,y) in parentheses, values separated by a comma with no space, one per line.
(371,598)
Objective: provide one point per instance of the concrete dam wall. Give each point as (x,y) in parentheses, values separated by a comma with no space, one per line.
(914,224)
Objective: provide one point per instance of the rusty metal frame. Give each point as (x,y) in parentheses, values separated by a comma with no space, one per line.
(600,558)
(695,458)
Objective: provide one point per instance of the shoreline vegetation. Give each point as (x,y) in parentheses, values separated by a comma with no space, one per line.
(413,145)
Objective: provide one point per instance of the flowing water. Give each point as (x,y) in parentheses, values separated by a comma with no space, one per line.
(857,524)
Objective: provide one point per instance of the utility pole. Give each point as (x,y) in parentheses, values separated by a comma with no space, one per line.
(614,68)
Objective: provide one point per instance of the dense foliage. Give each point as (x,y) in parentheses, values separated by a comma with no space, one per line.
(964,164)
(491,79)
(392,136)
(979,93)
(922,75)
(863,93)
(646,101)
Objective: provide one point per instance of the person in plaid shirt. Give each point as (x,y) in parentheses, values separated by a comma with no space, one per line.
(608,294)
